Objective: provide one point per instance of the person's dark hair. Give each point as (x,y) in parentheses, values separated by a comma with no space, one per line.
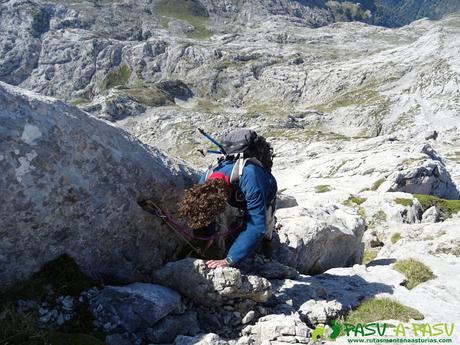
(203,203)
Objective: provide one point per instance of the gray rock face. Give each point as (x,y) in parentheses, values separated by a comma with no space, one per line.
(70,183)
(316,312)
(316,239)
(208,287)
(171,326)
(277,329)
(133,308)
(432,215)
(428,177)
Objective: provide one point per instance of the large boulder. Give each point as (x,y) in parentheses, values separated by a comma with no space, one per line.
(71,184)
(133,308)
(211,287)
(314,239)
(428,176)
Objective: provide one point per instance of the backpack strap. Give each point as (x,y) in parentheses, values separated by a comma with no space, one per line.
(238,168)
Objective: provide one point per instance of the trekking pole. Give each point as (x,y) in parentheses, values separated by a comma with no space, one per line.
(214,141)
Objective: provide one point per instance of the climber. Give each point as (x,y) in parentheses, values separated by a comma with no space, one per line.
(241,178)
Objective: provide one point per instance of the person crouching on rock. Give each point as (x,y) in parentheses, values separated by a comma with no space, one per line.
(242,178)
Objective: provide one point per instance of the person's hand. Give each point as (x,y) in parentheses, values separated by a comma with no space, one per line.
(216,263)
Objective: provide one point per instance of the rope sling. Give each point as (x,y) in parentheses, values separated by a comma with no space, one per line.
(185,233)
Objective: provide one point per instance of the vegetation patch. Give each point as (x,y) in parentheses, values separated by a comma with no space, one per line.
(356,200)
(404,202)
(395,237)
(191,11)
(415,271)
(378,309)
(79,101)
(380,216)
(150,96)
(118,76)
(377,184)
(323,188)
(369,255)
(446,207)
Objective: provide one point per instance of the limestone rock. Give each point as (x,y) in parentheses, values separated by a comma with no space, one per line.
(271,329)
(202,339)
(70,184)
(315,239)
(172,326)
(428,177)
(320,312)
(396,207)
(432,215)
(133,308)
(267,268)
(209,287)
(371,239)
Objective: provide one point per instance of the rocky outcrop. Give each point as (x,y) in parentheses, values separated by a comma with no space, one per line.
(276,329)
(70,184)
(315,239)
(133,308)
(209,287)
(429,176)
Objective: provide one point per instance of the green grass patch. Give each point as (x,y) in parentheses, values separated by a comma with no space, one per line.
(79,101)
(323,188)
(378,309)
(395,237)
(415,271)
(116,77)
(369,255)
(206,105)
(377,184)
(446,207)
(18,329)
(404,202)
(357,200)
(191,11)
(151,96)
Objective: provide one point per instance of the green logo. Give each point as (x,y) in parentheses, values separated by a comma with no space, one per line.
(322,331)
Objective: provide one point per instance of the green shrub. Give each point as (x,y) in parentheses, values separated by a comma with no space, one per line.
(404,202)
(116,77)
(323,188)
(378,309)
(395,237)
(446,207)
(415,271)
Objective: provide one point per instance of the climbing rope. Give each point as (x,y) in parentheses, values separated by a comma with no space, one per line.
(181,230)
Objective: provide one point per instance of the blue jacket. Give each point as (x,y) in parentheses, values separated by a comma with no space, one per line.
(259,187)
